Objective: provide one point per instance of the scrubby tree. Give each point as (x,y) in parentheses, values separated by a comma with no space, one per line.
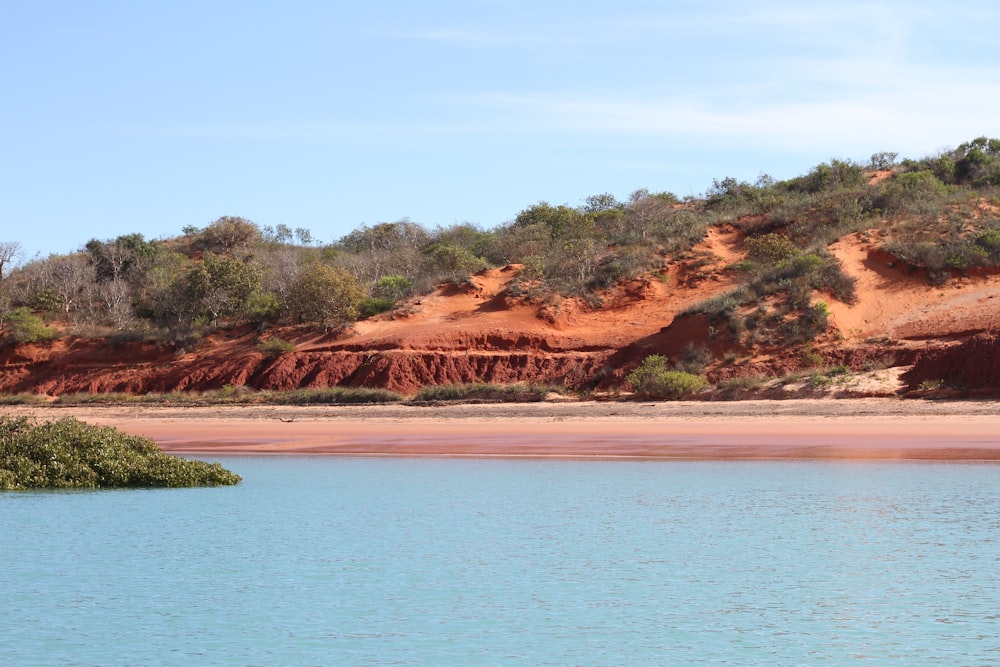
(120,271)
(601,202)
(229,234)
(326,295)
(394,287)
(647,217)
(280,234)
(388,247)
(453,262)
(126,257)
(10,251)
(883,160)
(222,286)
(280,267)
(65,283)
(561,221)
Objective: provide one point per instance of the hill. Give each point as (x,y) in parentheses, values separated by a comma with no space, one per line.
(824,283)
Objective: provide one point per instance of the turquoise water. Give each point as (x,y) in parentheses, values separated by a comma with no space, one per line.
(326,561)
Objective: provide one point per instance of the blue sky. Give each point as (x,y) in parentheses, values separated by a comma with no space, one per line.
(126,116)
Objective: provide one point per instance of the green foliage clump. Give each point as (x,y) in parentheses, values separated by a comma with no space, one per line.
(912,192)
(737,197)
(276,346)
(335,395)
(69,454)
(837,174)
(452,261)
(770,248)
(374,305)
(654,378)
(22,399)
(483,392)
(394,287)
(226,235)
(26,327)
(326,295)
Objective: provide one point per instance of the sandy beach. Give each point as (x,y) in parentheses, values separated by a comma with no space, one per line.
(876,429)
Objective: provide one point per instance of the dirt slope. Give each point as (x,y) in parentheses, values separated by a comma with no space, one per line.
(899,303)
(477,333)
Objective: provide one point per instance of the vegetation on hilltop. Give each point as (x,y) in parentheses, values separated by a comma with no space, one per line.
(69,454)
(937,214)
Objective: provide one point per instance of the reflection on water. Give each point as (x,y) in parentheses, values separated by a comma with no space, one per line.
(457,562)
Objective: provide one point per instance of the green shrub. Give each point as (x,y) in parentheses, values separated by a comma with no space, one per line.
(393,287)
(653,378)
(989,240)
(770,248)
(914,192)
(335,395)
(26,327)
(72,454)
(743,383)
(374,305)
(22,399)
(85,398)
(502,393)
(695,357)
(276,346)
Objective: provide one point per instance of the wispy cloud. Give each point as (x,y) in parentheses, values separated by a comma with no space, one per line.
(474,37)
(900,119)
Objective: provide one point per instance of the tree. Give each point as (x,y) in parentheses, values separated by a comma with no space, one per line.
(453,261)
(883,160)
(646,214)
(65,282)
(10,251)
(279,234)
(127,256)
(326,295)
(281,266)
(304,236)
(394,287)
(601,202)
(229,234)
(561,221)
(388,247)
(224,286)
(121,270)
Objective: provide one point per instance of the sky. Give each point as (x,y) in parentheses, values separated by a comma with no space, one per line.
(120,117)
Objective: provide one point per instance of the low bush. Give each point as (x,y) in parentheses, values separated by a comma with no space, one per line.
(501,393)
(276,346)
(26,327)
(374,305)
(22,399)
(654,379)
(68,453)
(334,395)
(742,384)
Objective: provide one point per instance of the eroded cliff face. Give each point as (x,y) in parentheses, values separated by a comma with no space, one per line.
(972,366)
(99,366)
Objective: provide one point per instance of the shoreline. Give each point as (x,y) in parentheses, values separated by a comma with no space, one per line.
(795,429)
